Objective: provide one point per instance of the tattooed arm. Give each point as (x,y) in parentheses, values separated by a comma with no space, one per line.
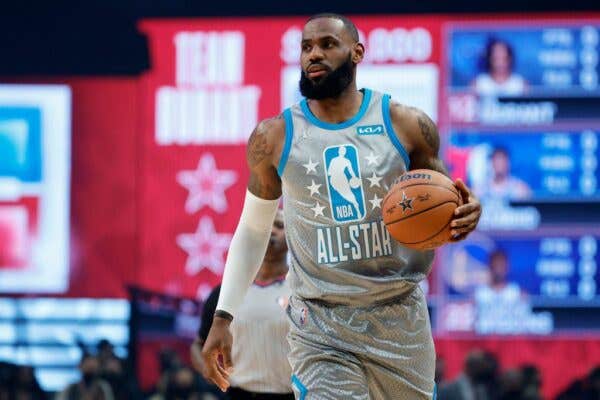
(421,138)
(263,152)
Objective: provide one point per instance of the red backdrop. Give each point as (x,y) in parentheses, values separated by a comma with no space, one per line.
(103,190)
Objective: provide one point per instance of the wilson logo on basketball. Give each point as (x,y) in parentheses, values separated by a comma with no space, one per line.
(406,177)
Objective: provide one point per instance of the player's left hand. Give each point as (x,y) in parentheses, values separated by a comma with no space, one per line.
(465,217)
(196,358)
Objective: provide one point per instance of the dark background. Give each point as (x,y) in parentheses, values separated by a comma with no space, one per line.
(69,37)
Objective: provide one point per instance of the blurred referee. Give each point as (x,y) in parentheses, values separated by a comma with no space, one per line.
(260,349)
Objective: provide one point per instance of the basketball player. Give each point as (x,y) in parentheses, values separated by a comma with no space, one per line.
(260,348)
(359,326)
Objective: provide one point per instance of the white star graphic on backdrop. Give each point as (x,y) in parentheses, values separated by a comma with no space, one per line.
(206,185)
(372,159)
(314,188)
(374,180)
(205,248)
(203,291)
(318,210)
(311,166)
(375,202)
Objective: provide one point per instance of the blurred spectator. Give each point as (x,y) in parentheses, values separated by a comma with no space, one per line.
(90,387)
(19,383)
(168,361)
(587,388)
(575,391)
(501,185)
(510,385)
(519,384)
(123,386)
(105,350)
(594,383)
(532,382)
(181,384)
(477,382)
(498,77)
(7,376)
(26,386)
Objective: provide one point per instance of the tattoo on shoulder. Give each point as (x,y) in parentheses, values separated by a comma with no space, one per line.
(258,146)
(428,129)
(268,187)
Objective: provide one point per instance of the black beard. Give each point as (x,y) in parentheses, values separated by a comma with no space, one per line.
(330,86)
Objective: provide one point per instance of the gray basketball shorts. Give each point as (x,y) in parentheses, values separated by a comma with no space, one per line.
(379,352)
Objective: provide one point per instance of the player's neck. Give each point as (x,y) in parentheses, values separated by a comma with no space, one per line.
(498,283)
(271,270)
(500,178)
(500,76)
(339,109)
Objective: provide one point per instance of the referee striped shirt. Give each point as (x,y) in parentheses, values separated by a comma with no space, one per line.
(260,347)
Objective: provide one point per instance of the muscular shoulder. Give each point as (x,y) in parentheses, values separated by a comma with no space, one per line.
(263,153)
(266,141)
(414,128)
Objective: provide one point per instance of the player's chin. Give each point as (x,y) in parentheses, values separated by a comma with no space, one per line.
(314,82)
(318,79)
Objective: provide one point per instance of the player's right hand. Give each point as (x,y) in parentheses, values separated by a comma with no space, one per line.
(216,353)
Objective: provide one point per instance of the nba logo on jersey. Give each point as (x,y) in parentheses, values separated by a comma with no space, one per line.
(344,184)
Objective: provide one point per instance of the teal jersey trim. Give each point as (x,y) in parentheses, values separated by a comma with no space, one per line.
(387,120)
(327,125)
(289,135)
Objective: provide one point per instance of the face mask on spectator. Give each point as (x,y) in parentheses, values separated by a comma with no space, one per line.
(88,378)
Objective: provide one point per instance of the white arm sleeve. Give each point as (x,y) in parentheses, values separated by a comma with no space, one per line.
(246,251)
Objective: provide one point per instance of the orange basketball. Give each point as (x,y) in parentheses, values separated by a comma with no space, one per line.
(418,209)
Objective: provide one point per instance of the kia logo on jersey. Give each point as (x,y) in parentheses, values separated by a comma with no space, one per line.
(370,130)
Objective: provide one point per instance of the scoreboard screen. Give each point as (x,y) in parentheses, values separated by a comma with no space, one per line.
(523,129)
(547,268)
(550,166)
(558,57)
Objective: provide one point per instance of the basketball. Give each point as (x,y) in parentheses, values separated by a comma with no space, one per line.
(418,209)
(354,182)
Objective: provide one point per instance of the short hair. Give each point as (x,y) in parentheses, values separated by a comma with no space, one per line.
(500,150)
(498,253)
(489,47)
(348,25)
(86,356)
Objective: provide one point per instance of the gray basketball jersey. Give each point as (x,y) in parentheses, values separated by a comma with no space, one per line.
(334,178)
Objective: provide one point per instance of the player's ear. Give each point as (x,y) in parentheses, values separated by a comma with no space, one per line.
(358,52)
